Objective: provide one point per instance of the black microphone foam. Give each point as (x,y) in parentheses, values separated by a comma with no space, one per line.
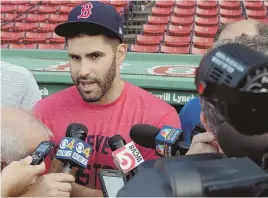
(116,142)
(235,144)
(144,135)
(77,130)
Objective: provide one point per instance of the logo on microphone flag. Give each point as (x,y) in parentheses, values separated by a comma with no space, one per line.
(127,157)
(160,149)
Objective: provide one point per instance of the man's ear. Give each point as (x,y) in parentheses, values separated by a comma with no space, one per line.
(121,53)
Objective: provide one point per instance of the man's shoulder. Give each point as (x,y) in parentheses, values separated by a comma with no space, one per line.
(59,98)
(15,69)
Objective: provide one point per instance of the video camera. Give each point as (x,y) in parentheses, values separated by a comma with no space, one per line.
(234,79)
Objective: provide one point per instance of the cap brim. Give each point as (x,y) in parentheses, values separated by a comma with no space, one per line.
(70,29)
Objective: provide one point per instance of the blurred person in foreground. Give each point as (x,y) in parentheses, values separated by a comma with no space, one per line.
(100,99)
(190,113)
(21,133)
(210,117)
(18,87)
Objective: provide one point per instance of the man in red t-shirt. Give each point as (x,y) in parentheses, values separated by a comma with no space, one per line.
(100,99)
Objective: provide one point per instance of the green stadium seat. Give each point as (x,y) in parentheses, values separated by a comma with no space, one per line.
(33,37)
(257,14)
(207,4)
(33,18)
(164,4)
(231,13)
(55,18)
(148,40)
(174,50)
(185,4)
(51,46)
(145,49)
(179,30)
(177,41)
(184,21)
(25,27)
(201,21)
(22,46)
(229,5)
(182,12)
(158,20)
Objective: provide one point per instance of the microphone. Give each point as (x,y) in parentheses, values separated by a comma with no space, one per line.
(167,141)
(73,151)
(126,156)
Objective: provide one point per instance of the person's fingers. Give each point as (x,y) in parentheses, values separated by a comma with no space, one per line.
(63,187)
(62,177)
(203,138)
(38,169)
(56,166)
(26,161)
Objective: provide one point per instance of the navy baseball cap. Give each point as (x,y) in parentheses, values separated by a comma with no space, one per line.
(91,16)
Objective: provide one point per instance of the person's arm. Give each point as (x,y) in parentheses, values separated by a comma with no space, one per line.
(171,118)
(83,191)
(31,92)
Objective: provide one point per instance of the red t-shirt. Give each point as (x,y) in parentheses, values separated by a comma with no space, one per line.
(134,106)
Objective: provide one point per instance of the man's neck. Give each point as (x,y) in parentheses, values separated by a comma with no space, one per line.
(113,93)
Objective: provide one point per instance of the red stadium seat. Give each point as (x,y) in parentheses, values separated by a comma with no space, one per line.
(148,40)
(45,27)
(174,50)
(5,2)
(206,21)
(25,27)
(8,8)
(177,41)
(8,27)
(23,8)
(206,4)
(65,9)
(145,49)
(253,5)
(164,4)
(32,37)
(55,3)
(55,18)
(119,3)
(51,46)
(33,10)
(75,3)
(48,9)
(198,51)
(182,12)
(120,10)
(158,20)
(231,13)
(11,37)
(9,17)
(185,4)
(205,31)
(206,13)
(33,2)
(202,42)
(231,5)
(228,20)
(154,29)
(181,20)
(33,18)
(161,11)
(57,39)
(264,20)
(12,2)
(179,30)
(257,14)
(4,46)
(22,46)
(105,1)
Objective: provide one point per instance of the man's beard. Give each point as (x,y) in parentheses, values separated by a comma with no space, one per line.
(104,84)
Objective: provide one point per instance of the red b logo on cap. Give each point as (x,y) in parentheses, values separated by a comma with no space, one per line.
(85,11)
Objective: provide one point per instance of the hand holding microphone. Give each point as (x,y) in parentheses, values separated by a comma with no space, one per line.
(203,143)
(18,176)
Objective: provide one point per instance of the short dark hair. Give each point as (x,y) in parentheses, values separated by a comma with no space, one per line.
(262,29)
(96,30)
